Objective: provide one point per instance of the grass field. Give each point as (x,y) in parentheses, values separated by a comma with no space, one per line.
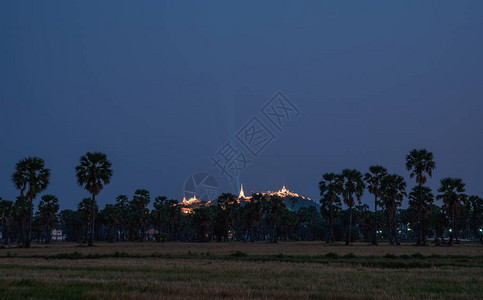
(302,270)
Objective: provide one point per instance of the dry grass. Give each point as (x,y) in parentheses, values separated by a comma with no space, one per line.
(258,248)
(160,278)
(182,279)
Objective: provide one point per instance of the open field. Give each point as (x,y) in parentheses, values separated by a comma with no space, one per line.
(258,248)
(241,270)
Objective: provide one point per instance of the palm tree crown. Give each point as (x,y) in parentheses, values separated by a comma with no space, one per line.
(420,162)
(330,186)
(94,172)
(31,177)
(373,179)
(353,185)
(393,192)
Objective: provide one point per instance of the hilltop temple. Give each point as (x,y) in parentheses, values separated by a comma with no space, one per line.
(292,200)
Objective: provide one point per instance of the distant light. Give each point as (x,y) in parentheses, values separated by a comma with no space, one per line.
(450,230)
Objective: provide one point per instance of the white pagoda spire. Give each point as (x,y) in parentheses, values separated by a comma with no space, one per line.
(242,194)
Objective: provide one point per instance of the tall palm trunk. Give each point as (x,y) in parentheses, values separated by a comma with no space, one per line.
(389,219)
(374,241)
(395,228)
(275,233)
(29,225)
(331,224)
(421,240)
(93,220)
(349,238)
(452,231)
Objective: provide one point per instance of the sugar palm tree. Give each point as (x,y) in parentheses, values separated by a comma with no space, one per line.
(254,210)
(476,216)
(93,173)
(226,204)
(31,177)
(85,212)
(48,208)
(139,204)
(373,180)
(428,199)
(274,209)
(112,217)
(420,163)
(453,196)
(6,218)
(352,186)
(330,189)
(393,191)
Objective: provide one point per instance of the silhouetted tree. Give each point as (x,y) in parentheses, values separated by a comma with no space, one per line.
(420,163)
(86,213)
(476,216)
(393,191)
(48,208)
(330,188)
(273,208)
(453,196)
(423,206)
(140,216)
(373,180)
(6,219)
(352,186)
(31,177)
(93,173)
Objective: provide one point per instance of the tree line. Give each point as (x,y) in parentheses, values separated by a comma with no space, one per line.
(262,217)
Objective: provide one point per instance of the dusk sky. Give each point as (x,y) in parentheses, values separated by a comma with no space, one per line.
(161,86)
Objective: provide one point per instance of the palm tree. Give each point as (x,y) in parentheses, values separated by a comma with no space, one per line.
(139,204)
(31,177)
(48,208)
(373,179)
(85,213)
(476,216)
(274,208)
(428,199)
(452,193)
(420,163)
(6,218)
(122,201)
(254,210)
(93,173)
(227,204)
(393,191)
(352,185)
(330,189)
(112,216)
(21,211)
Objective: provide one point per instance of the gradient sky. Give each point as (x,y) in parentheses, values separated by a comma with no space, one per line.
(161,86)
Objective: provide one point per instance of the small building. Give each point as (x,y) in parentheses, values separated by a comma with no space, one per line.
(57,235)
(151,234)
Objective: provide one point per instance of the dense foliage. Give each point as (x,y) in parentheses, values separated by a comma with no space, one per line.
(261,217)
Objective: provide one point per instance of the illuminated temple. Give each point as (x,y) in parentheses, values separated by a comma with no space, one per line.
(292,200)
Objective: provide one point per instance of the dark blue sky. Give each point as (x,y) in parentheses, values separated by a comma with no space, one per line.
(160,87)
